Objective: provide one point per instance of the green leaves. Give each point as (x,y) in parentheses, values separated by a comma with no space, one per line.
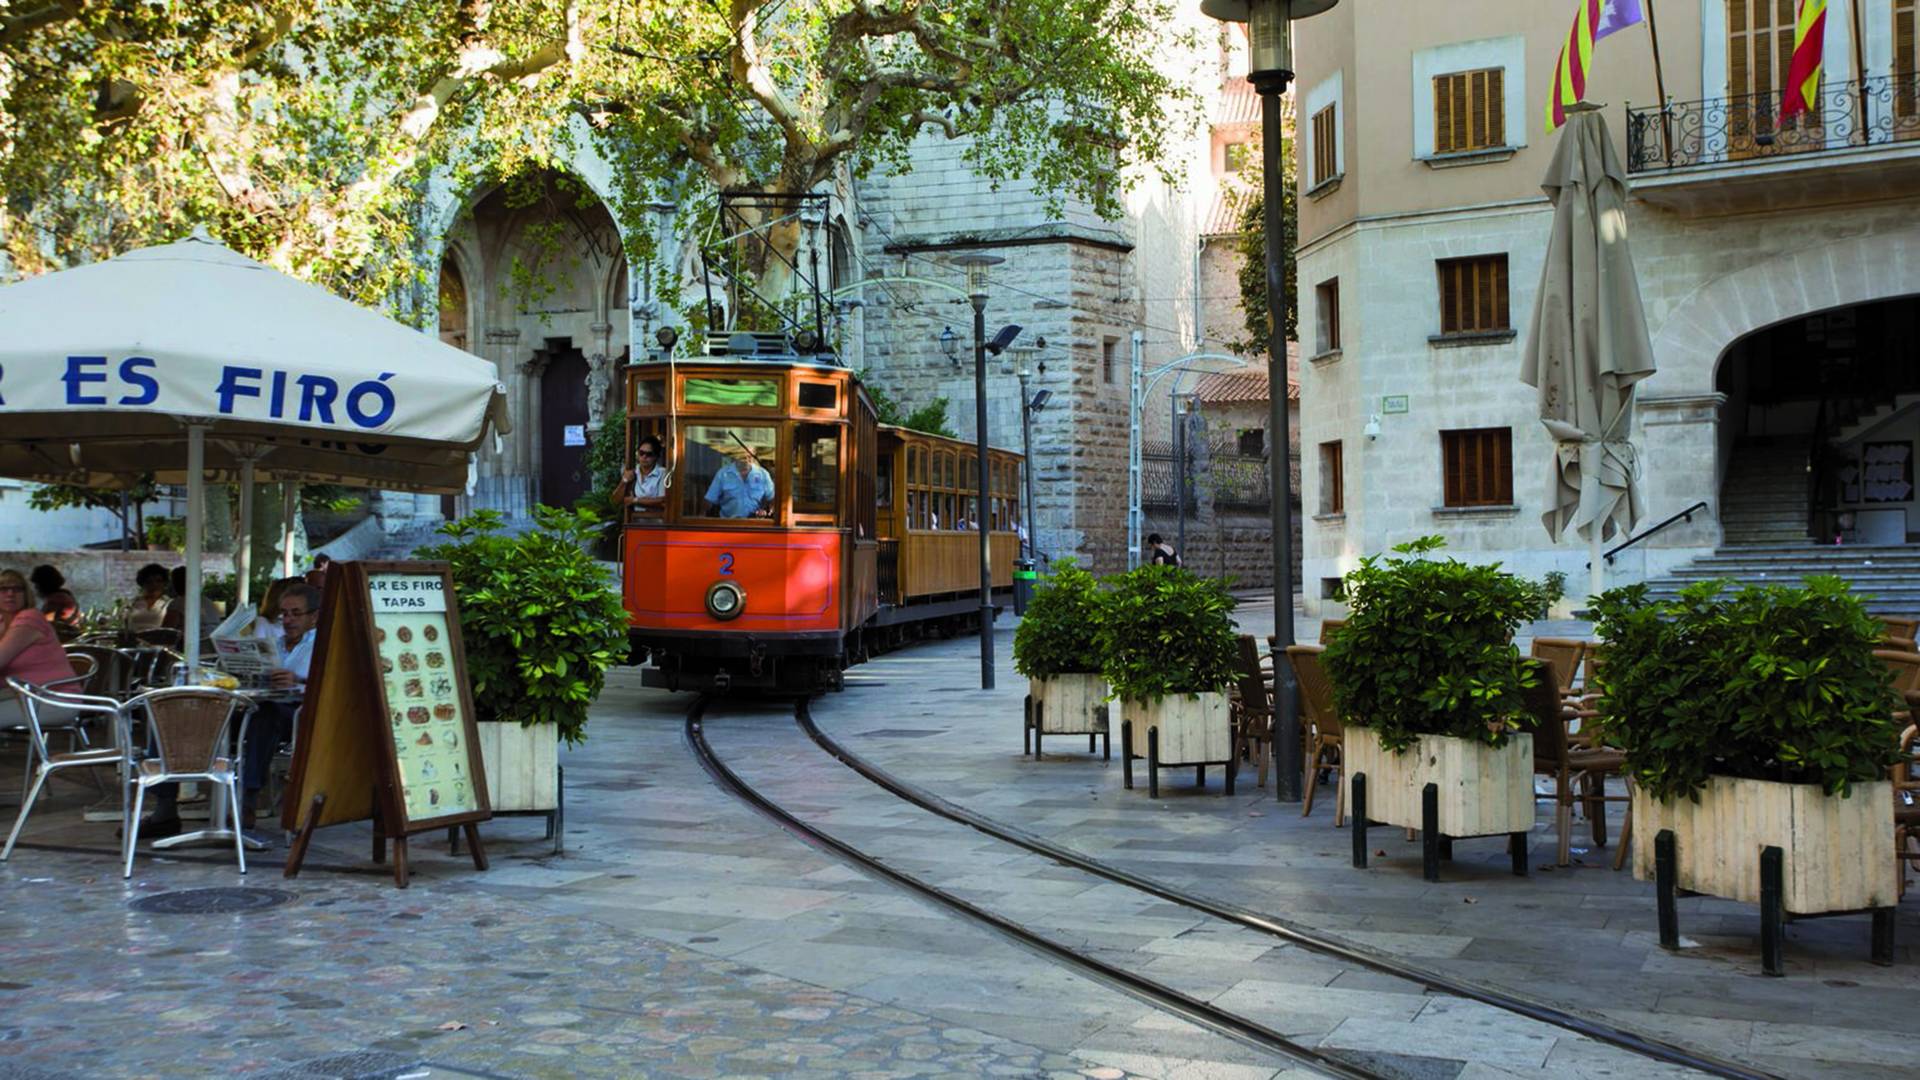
(1163,630)
(1057,635)
(1768,683)
(1428,648)
(541,620)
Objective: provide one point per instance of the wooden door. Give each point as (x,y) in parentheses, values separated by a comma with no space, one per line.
(563,428)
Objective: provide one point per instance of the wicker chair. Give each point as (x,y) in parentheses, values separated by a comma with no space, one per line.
(190,729)
(45,709)
(1556,756)
(1253,708)
(1563,655)
(1320,727)
(1901,628)
(1328,626)
(1906,806)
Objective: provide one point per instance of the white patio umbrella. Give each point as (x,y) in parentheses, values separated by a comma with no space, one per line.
(190,361)
(1589,345)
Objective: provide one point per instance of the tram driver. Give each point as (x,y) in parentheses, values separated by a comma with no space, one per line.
(644,482)
(744,490)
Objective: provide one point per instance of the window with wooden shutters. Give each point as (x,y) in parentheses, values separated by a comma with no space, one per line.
(1759,54)
(1479,466)
(1333,480)
(1325,159)
(1473,295)
(1469,111)
(1326,297)
(1906,69)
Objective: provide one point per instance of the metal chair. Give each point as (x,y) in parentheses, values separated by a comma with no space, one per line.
(43,762)
(112,669)
(152,668)
(189,729)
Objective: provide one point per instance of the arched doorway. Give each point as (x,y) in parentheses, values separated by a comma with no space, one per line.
(563,423)
(1820,428)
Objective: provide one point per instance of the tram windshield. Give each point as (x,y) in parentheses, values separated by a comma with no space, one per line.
(727,471)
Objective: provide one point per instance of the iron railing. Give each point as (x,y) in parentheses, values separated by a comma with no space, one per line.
(1849,114)
(1684,515)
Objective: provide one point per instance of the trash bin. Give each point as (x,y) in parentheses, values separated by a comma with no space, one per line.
(1023,577)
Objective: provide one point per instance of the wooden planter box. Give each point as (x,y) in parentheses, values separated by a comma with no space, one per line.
(1182,730)
(523,766)
(1066,705)
(1791,848)
(1446,787)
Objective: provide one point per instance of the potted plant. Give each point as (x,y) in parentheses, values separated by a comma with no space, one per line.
(1055,648)
(1168,651)
(542,623)
(1758,729)
(1431,692)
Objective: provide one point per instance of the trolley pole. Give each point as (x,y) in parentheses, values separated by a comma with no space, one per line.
(980,512)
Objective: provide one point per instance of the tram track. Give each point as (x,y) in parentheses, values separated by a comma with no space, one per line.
(1169,1000)
(1634,1042)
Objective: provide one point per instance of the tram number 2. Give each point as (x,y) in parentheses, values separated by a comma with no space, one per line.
(726,562)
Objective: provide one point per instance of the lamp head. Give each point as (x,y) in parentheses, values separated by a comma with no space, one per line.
(1003,339)
(976,265)
(666,336)
(949,344)
(1372,430)
(1269,39)
(1039,401)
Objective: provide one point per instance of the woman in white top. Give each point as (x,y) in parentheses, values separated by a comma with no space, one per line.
(150,607)
(645,482)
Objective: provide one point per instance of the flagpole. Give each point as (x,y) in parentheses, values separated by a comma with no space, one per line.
(1859,69)
(1660,85)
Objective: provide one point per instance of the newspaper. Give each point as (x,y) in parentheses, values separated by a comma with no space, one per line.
(239,653)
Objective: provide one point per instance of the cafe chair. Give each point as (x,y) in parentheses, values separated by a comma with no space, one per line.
(1569,765)
(1563,655)
(42,707)
(1253,708)
(1906,806)
(112,669)
(1320,727)
(189,729)
(1900,628)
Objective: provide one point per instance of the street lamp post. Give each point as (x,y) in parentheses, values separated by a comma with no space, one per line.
(977,265)
(1270,69)
(1029,404)
(1143,383)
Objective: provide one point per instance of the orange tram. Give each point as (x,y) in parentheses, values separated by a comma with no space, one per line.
(796,535)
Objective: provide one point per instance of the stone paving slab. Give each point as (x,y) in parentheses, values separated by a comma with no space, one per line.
(1580,937)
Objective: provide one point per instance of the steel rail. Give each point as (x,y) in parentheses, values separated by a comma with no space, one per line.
(1231,1025)
(1599,1030)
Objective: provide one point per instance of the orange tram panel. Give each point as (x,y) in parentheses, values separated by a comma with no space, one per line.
(776,533)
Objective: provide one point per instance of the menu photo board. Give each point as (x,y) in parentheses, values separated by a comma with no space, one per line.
(387,731)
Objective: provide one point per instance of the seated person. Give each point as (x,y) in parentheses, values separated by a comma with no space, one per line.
(29,649)
(151,605)
(645,491)
(266,620)
(176,616)
(317,577)
(56,603)
(743,489)
(272,722)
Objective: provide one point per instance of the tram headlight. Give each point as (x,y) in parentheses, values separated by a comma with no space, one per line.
(725,600)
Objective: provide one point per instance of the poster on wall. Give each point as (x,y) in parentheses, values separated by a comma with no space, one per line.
(1886,472)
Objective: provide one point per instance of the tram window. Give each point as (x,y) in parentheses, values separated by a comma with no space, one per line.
(725,471)
(756,393)
(649,392)
(818,395)
(883,482)
(816,469)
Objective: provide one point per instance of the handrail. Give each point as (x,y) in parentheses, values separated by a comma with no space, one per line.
(1687,514)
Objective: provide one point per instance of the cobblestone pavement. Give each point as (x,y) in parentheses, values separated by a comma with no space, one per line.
(683,935)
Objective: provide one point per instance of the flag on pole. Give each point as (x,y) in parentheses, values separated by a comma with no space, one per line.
(1803,72)
(1595,20)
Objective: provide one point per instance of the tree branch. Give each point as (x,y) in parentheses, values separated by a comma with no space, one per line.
(15,30)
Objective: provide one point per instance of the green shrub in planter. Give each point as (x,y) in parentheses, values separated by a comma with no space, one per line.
(1056,635)
(1164,631)
(1428,648)
(541,620)
(1767,683)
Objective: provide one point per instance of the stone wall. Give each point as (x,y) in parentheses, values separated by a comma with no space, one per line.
(98,578)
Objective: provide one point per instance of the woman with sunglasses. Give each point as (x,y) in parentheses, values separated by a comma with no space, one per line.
(29,649)
(648,488)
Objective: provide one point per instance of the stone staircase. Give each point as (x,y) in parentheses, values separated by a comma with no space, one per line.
(1887,578)
(1764,499)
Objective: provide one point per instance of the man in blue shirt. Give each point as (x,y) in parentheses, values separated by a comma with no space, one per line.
(741,490)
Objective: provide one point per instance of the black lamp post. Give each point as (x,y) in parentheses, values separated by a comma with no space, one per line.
(1270,69)
(976,266)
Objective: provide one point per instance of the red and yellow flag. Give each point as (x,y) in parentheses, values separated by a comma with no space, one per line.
(1803,72)
(1595,20)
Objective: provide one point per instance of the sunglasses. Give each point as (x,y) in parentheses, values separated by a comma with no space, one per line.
(645,453)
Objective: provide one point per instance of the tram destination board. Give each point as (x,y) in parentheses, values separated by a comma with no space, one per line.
(388,730)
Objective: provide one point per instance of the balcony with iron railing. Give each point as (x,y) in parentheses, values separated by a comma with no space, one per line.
(1861,140)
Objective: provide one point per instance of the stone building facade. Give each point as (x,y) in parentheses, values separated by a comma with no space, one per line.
(1778,263)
